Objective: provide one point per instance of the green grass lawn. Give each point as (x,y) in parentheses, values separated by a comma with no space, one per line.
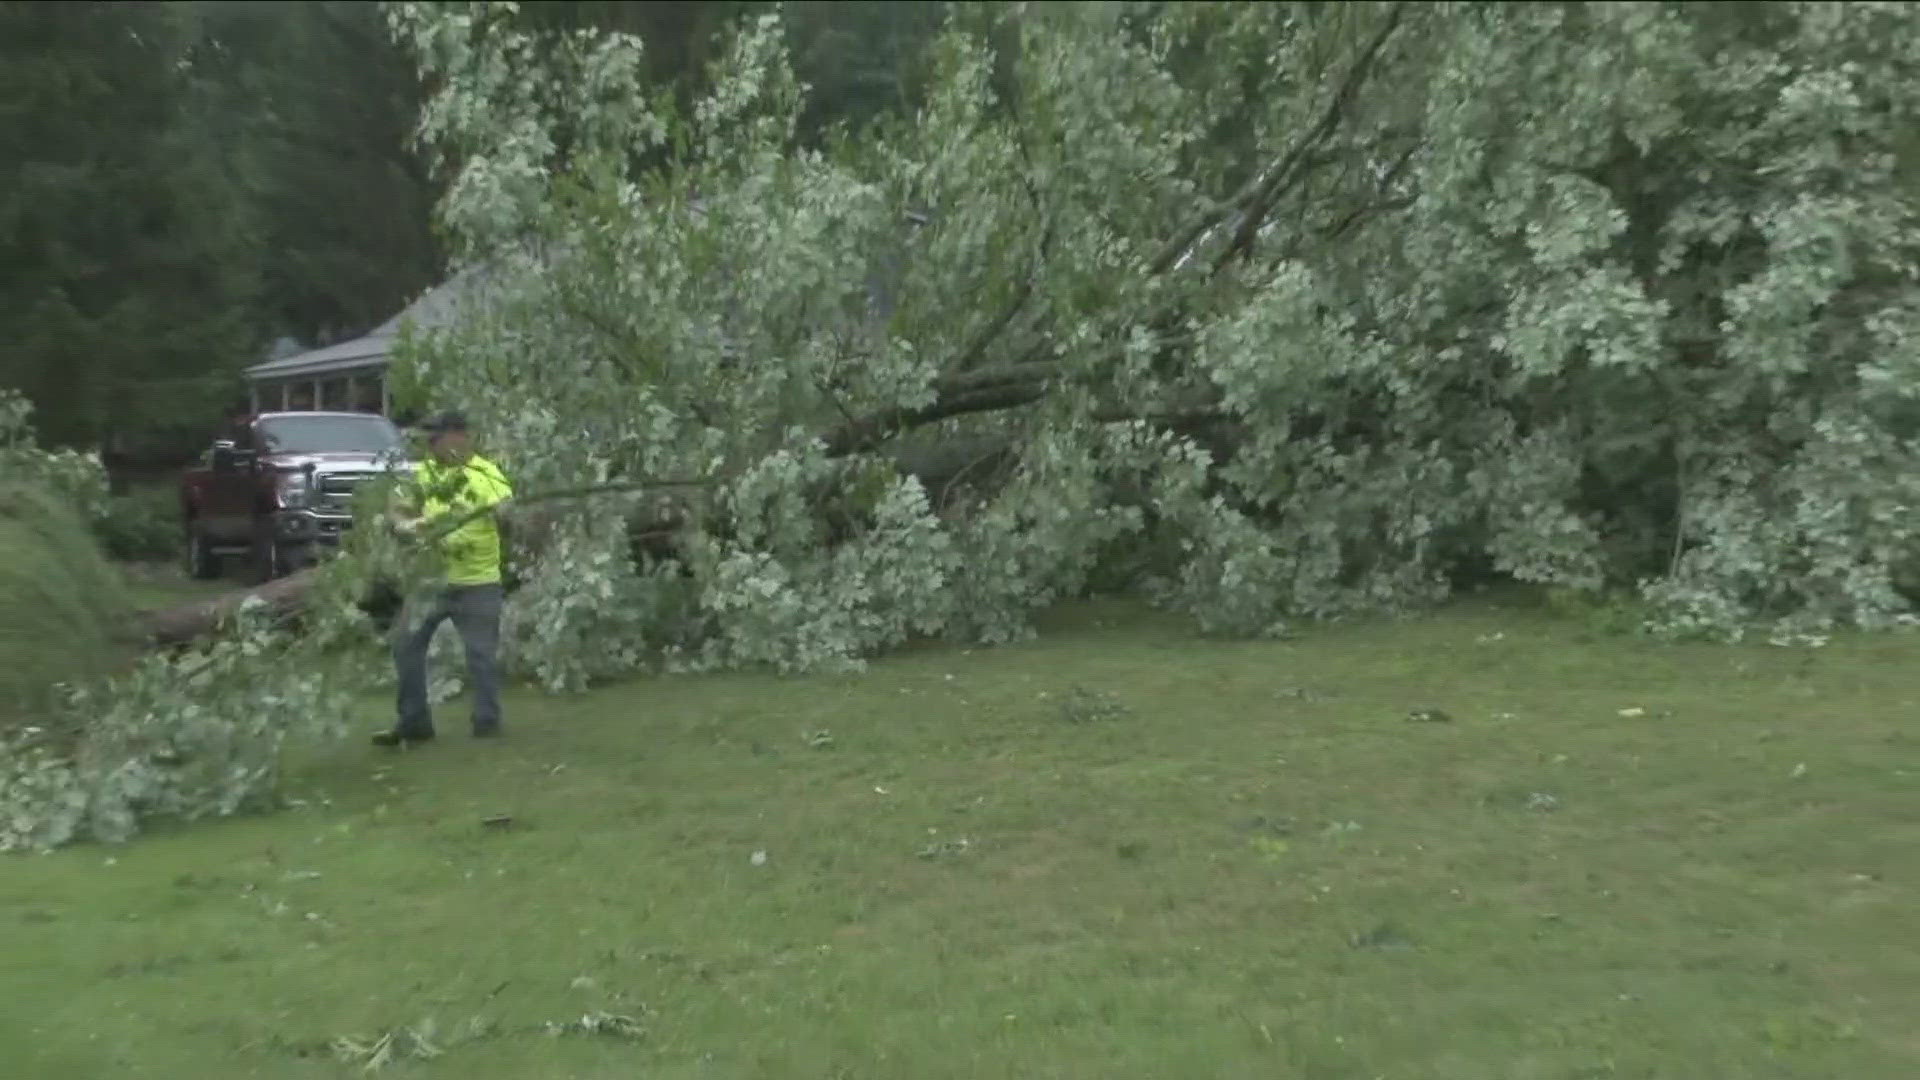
(1217,860)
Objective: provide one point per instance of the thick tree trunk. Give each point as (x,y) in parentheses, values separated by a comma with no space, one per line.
(186,622)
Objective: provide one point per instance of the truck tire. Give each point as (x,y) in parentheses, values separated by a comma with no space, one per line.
(269,557)
(202,563)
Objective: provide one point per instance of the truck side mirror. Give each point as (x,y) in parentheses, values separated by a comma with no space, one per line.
(227,457)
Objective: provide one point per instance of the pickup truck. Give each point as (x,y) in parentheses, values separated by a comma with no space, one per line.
(278,488)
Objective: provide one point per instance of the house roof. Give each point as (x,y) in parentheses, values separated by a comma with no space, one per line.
(436,307)
(441,305)
(360,352)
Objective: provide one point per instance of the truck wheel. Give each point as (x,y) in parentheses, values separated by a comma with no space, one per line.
(202,563)
(269,558)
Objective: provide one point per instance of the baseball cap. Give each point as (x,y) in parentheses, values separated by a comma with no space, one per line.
(442,422)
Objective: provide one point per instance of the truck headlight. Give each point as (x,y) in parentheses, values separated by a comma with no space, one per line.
(292,489)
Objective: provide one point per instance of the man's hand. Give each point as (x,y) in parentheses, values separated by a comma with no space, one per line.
(407,526)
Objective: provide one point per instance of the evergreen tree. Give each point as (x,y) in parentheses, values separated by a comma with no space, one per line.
(316,105)
(126,266)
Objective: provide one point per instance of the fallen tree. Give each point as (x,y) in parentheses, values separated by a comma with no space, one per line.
(1292,311)
(1123,265)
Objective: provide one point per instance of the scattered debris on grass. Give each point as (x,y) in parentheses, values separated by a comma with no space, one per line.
(1083,706)
(1281,826)
(497,821)
(422,1042)
(1516,797)
(1384,937)
(1634,713)
(1429,716)
(758,858)
(402,1044)
(609,1025)
(1271,848)
(818,740)
(945,848)
(1799,771)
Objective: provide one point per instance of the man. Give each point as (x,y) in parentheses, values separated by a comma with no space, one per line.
(456,502)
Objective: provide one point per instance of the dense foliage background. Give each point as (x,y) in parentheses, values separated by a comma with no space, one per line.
(181,184)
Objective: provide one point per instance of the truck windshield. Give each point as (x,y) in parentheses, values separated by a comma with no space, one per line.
(327,434)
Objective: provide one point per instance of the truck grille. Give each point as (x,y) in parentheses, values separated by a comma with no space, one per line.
(333,492)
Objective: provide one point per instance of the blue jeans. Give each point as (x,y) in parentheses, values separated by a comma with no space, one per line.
(475,612)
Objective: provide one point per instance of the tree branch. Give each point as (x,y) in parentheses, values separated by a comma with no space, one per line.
(977,348)
(1286,173)
(870,431)
(630,355)
(447,527)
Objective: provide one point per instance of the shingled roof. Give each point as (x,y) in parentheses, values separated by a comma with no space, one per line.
(436,307)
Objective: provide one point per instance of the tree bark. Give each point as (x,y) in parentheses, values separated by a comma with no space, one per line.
(187,622)
(981,390)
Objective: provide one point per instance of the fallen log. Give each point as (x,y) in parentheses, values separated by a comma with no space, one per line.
(283,597)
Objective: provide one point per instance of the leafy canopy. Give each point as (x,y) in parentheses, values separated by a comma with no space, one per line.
(1291,310)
